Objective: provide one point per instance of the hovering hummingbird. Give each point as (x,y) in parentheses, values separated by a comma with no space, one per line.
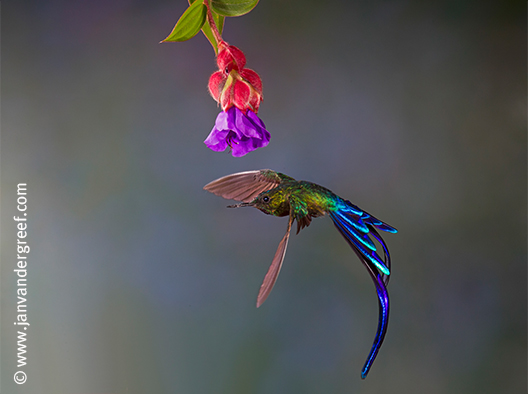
(281,195)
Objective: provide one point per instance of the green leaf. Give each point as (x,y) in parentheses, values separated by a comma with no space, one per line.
(233,7)
(189,23)
(206,29)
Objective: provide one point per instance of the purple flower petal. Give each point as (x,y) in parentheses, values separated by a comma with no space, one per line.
(253,116)
(242,132)
(244,123)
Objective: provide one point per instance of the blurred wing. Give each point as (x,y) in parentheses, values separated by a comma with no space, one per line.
(275,267)
(245,186)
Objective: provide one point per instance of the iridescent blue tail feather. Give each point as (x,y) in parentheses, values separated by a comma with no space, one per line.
(383,301)
(348,219)
(357,226)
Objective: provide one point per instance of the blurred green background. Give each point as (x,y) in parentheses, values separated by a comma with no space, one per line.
(141,282)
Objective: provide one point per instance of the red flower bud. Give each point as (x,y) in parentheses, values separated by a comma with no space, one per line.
(234,85)
(240,94)
(253,78)
(229,56)
(256,83)
(216,84)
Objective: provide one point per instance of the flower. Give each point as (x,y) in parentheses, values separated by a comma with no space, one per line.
(234,85)
(238,90)
(242,132)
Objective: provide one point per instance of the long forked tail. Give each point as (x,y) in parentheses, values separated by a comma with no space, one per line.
(356,226)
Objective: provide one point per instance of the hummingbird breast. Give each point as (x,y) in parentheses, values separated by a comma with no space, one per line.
(283,209)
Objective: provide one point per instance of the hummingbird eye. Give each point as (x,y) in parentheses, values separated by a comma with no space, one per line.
(265,199)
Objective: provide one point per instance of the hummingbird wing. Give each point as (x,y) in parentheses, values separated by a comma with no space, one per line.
(245,186)
(275,267)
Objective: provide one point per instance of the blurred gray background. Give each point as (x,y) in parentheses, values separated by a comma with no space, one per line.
(141,282)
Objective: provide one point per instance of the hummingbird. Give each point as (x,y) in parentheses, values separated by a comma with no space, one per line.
(280,195)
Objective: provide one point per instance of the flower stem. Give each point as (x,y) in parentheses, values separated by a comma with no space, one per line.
(212,24)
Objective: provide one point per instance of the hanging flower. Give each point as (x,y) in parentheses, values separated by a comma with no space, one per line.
(238,90)
(242,132)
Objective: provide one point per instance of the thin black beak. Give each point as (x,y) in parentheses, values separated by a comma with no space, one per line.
(242,204)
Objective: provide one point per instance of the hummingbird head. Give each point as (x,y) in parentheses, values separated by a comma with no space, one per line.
(271,202)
